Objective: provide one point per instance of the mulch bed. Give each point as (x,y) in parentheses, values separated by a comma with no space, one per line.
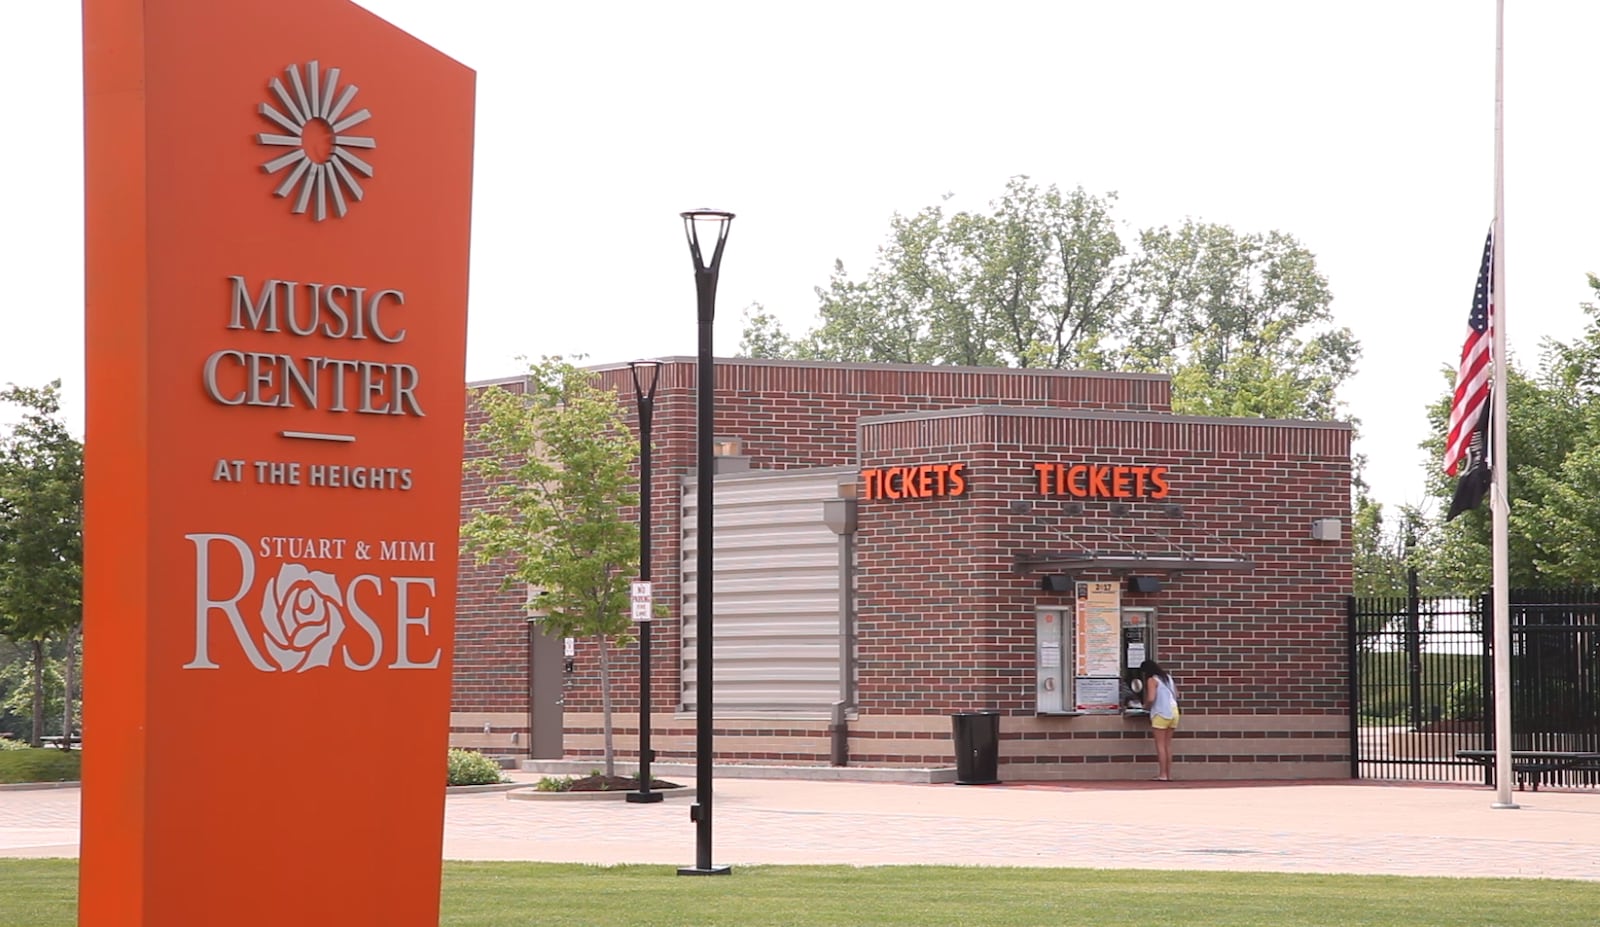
(616,784)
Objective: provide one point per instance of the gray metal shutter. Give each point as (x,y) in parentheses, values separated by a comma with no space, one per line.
(777,621)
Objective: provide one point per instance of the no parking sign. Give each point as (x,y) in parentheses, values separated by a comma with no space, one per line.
(641,601)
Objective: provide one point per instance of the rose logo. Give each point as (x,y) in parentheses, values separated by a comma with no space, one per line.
(304,615)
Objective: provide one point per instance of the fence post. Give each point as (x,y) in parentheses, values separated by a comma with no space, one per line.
(1354,655)
(1486,678)
(1414,647)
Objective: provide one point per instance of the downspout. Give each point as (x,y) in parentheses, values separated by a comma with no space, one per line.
(840,516)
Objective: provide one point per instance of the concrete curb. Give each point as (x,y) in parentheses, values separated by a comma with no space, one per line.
(935,775)
(30,786)
(528,793)
(473,789)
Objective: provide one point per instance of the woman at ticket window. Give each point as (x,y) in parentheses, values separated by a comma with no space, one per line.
(1161,700)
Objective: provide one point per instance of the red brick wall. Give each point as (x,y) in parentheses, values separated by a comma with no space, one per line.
(787,415)
(944,622)
(491,646)
(1268,641)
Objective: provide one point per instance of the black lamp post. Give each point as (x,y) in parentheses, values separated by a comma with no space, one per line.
(712,223)
(645,374)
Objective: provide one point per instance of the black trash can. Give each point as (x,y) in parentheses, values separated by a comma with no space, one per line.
(977,736)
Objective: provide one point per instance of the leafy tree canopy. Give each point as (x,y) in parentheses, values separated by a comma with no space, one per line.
(1242,322)
(559,477)
(41,519)
(1043,278)
(41,533)
(1553,464)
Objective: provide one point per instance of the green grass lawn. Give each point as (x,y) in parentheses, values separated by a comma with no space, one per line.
(45,765)
(42,893)
(1386,684)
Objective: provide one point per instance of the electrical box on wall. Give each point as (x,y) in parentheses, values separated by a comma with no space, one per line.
(1326,529)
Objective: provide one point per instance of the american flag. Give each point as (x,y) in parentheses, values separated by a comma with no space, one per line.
(1472,376)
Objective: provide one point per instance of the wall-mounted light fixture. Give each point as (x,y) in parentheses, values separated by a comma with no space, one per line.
(1144,584)
(1055,583)
(840,515)
(1326,529)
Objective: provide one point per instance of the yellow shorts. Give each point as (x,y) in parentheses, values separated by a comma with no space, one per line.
(1166,723)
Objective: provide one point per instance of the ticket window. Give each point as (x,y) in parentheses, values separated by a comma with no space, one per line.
(1086,654)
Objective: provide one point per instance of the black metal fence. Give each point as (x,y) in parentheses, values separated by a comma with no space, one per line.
(1422,683)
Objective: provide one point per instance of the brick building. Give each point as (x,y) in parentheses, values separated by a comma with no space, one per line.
(1001,539)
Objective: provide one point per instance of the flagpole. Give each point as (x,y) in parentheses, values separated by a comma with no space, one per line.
(1499,500)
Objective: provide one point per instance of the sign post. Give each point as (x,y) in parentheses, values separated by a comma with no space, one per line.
(278,201)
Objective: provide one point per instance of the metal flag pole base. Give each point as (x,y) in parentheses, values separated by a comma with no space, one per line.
(1506,806)
(714,870)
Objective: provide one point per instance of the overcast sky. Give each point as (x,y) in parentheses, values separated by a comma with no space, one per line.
(1362,127)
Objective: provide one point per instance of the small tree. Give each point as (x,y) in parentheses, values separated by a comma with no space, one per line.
(41,533)
(559,470)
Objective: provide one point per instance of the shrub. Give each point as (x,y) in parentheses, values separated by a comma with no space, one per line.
(555,784)
(469,767)
(6,743)
(29,765)
(1464,701)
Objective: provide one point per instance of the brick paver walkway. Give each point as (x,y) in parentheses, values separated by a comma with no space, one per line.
(1363,828)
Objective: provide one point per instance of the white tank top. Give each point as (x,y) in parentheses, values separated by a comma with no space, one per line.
(1166,705)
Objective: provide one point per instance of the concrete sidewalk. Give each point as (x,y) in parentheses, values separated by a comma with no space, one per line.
(1282,827)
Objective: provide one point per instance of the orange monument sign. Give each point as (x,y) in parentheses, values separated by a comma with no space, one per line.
(278,206)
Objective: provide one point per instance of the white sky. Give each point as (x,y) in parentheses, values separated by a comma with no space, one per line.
(1363,127)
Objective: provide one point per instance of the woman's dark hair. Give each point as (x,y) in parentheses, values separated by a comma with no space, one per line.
(1151,668)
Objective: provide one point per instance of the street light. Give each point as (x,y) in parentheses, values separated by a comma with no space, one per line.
(711,223)
(645,374)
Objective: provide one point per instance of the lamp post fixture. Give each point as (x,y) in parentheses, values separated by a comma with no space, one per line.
(713,223)
(645,374)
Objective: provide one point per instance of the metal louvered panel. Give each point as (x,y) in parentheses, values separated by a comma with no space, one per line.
(777,620)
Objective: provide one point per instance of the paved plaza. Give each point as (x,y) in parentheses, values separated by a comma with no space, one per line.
(1280,827)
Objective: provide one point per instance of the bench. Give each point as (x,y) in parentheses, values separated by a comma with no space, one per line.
(1531,765)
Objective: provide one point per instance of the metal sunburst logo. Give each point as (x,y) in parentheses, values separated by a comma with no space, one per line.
(320,164)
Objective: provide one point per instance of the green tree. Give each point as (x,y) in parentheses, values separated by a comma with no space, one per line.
(41,534)
(1538,440)
(1378,550)
(1242,322)
(763,335)
(15,677)
(1567,511)
(1553,448)
(1036,280)
(18,679)
(559,473)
